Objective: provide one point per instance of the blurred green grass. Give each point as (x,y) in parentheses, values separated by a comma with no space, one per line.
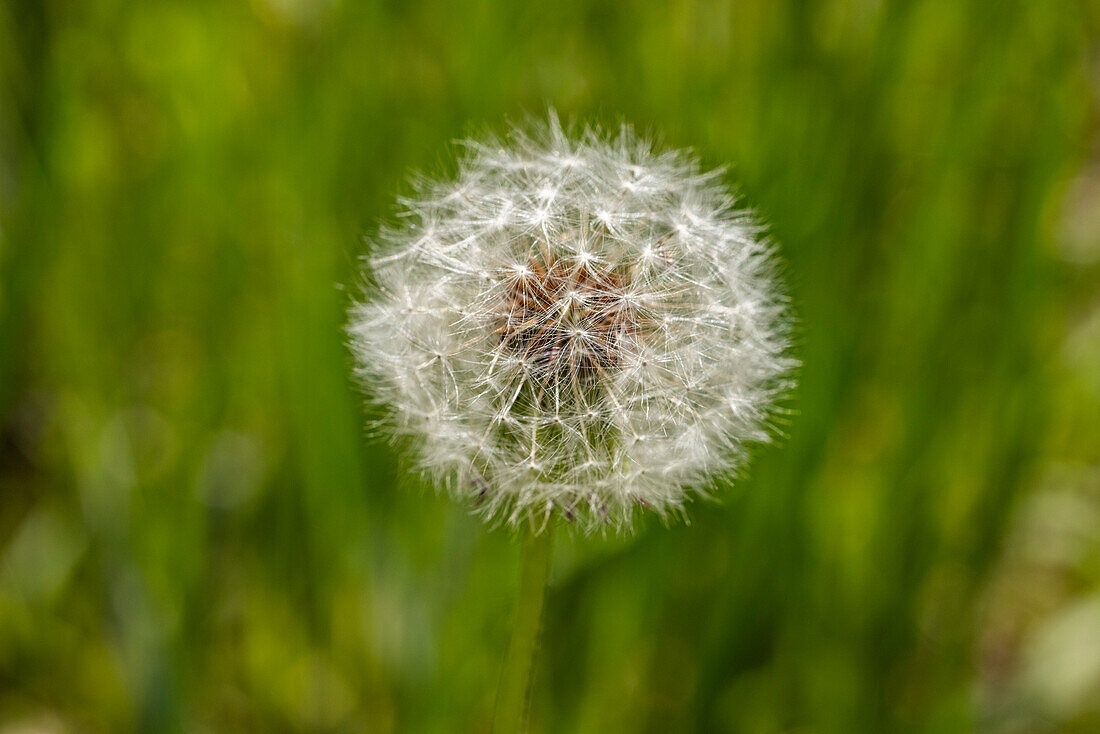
(196,536)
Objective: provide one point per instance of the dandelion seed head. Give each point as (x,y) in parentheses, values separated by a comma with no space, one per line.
(576,325)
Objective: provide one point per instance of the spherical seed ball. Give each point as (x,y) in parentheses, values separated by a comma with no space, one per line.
(574,324)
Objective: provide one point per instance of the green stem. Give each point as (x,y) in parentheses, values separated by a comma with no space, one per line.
(513,693)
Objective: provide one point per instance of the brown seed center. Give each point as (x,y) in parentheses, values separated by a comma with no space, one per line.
(567,318)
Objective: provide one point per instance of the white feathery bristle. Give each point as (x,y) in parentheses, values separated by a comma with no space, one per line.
(574,325)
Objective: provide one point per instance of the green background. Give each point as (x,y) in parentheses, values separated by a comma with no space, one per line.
(197,535)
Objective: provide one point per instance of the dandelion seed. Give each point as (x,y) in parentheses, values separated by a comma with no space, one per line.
(589,328)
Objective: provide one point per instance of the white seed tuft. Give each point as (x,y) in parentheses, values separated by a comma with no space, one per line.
(574,325)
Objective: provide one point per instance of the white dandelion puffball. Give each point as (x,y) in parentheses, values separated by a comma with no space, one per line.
(573,325)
